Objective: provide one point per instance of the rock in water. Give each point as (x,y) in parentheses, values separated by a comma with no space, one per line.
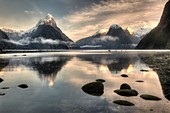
(1,80)
(139,81)
(150,97)
(23,86)
(2,94)
(125,86)
(123,102)
(94,88)
(5,88)
(124,75)
(100,80)
(126,92)
(144,70)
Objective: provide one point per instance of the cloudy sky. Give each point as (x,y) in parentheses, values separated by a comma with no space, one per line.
(81,18)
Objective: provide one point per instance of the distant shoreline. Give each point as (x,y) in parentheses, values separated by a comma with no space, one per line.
(79,50)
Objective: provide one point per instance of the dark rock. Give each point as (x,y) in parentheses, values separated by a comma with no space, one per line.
(94,88)
(5,88)
(151,109)
(143,70)
(1,80)
(125,86)
(23,86)
(150,97)
(126,92)
(139,81)
(2,94)
(100,80)
(123,102)
(24,55)
(124,75)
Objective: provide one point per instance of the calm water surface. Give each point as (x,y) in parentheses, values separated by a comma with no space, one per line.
(55,83)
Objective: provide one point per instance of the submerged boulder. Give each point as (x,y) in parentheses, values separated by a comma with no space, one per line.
(94,88)
(124,75)
(100,80)
(5,88)
(126,92)
(139,81)
(1,80)
(2,94)
(150,97)
(125,86)
(24,86)
(123,102)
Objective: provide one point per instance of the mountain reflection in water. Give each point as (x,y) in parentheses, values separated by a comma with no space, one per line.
(66,75)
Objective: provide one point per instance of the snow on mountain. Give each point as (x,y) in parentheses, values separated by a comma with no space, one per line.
(13,34)
(140,33)
(115,26)
(101,32)
(48,20)
(114,38)
(45,35)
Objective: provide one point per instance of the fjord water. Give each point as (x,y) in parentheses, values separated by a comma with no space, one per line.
(55,82)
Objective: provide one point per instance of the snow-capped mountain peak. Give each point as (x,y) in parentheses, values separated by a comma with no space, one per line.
(115,26)
(48,20)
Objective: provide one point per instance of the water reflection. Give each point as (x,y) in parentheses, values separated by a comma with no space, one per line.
(48,68)
(160,63)
(114,63)
(68,74)
(3,63)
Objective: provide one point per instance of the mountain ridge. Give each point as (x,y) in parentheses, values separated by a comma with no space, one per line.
(159,37)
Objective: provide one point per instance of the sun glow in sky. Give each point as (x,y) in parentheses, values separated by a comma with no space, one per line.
(81,18)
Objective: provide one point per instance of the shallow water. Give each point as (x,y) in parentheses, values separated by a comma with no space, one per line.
(55,81)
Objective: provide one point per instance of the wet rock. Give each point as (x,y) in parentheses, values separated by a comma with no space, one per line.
(5,87)
(2,94)
(139,81)
(124,75)
(150,97)
(100,80)
(1,80)
(94,88)
(143,70)
(151,109)
(125,86)
(123,102)
(126,92)
(23,86)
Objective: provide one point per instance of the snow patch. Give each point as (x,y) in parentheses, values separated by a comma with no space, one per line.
(115,26)
(48,20)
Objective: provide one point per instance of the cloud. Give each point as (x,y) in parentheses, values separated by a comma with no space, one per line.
(34,12)
(127,13)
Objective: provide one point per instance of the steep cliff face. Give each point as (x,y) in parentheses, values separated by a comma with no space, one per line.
(3,38)
(159,37)
(3,35)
